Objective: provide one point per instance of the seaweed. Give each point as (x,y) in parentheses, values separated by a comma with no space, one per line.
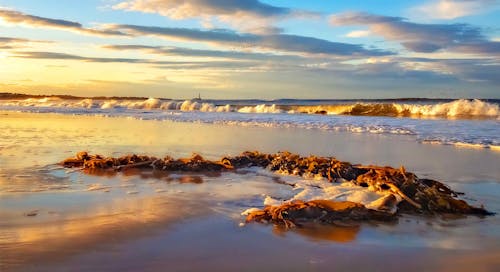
(420,196)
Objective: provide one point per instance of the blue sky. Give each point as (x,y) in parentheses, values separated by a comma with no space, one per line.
(251,48)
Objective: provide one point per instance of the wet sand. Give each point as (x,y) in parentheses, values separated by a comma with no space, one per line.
(52,219)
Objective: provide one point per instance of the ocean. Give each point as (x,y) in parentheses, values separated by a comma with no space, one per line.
(469,123)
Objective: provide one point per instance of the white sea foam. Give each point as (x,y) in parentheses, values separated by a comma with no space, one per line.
(97,187)
(321,189)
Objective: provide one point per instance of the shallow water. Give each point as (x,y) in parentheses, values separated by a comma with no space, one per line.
(54,219)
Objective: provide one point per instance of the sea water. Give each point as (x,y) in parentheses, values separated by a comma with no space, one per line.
(463,123)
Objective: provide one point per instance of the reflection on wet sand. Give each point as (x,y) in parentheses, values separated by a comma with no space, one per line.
(320,232)
(191,179)
(104,212)
(147,175)
(118,221)
(486,261)
(30,180)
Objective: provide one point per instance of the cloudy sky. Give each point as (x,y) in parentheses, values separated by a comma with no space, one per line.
(251,49)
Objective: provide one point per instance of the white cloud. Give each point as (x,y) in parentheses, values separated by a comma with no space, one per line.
(451,9)
(358,33)
(374,60)
(247,15)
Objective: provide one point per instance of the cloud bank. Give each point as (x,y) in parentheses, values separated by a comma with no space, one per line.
(8,43)
(16,17)
(423,38)
(155,63)
(182,9)
(278,42)
(451,9)
(189,52)
(244,14)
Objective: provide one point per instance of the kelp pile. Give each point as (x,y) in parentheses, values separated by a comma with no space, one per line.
(424,196)
(322,211)
(194,164)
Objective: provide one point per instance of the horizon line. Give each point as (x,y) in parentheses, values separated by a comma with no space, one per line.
(10,95)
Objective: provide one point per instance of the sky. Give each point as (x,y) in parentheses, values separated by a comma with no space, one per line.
(248,49)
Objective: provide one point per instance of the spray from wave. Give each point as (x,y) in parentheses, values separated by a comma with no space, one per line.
(461,108)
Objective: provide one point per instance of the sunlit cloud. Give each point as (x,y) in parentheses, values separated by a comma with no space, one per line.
(279,42)
(16,17)
(189,52)
(425,38)
(248,15)
(377,60)
(11,43)
(7,43)
(451,9)
(63,56)
(182,9)
(153,63)
(358,34)
(466,70)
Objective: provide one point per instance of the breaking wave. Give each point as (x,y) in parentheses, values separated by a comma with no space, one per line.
(148,104)
(457,109)
(461,108)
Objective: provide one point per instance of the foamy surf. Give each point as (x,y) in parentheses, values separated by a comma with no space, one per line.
(320,189)
(456,109)
(464,145)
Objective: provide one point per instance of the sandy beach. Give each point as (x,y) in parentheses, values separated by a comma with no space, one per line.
(55,219)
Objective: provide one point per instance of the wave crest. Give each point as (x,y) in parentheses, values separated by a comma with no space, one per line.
(263,108)
(454,109)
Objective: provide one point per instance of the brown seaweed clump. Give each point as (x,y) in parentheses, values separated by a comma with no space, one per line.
(194,164)
(418,195)
(320,211)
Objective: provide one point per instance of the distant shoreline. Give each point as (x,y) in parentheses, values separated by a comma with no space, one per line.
(8,96)
(4,96)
